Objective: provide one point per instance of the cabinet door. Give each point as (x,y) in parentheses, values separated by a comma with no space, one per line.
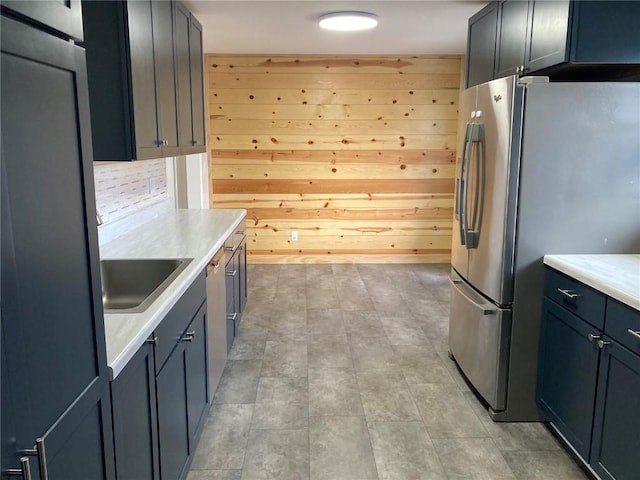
(53,355)
(143,79)
(196,366)
(230,274)
(63,16)
(512,34)
(567,374)
(135,428)
(162,15)
(173,428)
(481,45)
(197,86)
(182,19)
(616,444)
(242,274)
(547,42)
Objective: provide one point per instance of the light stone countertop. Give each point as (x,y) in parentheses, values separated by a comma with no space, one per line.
(188,233)
(617,276)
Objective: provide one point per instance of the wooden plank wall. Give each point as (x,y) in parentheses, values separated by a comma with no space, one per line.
(357,155)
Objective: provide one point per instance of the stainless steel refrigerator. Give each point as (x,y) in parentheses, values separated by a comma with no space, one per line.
(543,168)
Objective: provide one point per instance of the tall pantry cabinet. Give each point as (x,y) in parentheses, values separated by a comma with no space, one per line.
(56,419)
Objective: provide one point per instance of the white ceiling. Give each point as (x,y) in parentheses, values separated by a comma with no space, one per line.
(290,27)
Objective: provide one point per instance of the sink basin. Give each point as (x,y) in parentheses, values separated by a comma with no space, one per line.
(130,286)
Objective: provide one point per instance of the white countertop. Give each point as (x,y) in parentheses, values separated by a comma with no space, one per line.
(617,276)
(192,233)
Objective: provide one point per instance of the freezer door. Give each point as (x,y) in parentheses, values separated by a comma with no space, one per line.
(466,107)
(490,199)
(479,334)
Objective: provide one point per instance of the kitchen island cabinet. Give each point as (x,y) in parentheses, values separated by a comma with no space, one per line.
(589,365)
(54,372)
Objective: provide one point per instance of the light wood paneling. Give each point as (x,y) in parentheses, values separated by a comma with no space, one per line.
(357,155)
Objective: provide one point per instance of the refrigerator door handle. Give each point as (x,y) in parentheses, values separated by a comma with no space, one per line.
(461,186)
(472,297)
(472,233)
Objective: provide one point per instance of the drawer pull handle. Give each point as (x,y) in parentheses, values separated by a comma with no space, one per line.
(231,274)
(634,333)
(602,343)
(189,336)
(593,337)
(569,294)
(24,471)
(152,340)
(232,316)
(228,249)
(41,454)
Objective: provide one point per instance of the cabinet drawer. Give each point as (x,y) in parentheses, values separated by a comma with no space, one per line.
(174,324)
(619,321)
(578,298)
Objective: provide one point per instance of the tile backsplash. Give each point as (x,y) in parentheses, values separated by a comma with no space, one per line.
(129,194)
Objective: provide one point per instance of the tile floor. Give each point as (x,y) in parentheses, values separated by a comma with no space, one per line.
(340,372)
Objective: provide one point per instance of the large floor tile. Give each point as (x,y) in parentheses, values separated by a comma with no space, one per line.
(285,359)
(224,438)
(325,322)
(280,415)
(287,326)
(329,352)
(334,392)
(364,323)
(386,397)
(446,413)
(543,466)
(421,365)
(239,382)
(472,458)
(282,389)
(277,454)
(215,475)
(322,298)
(404,331)
(340,449)
(404,451)
(372,353)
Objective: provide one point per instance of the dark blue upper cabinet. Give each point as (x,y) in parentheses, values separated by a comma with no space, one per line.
(54,372)
(563,39)
(481,45)
(62,18)
(141,77)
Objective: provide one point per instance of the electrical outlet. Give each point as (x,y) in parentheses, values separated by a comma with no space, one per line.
(294,236)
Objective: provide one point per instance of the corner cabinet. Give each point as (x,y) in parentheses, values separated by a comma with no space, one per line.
(55,394)
(589,375)
(160,398)
(563,39)
(141,75)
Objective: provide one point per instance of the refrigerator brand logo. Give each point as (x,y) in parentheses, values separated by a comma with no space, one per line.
(497,98)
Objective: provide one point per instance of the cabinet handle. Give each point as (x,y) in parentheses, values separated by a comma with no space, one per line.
(39,452)
(24,471)
(228,249)
(634,333)
(240,232)
(152,340)
(231,274)
(569,294)
(593,337)
(602,343)
(232,316)
(189,336)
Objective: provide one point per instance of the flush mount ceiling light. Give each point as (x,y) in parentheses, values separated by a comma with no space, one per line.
(348,21)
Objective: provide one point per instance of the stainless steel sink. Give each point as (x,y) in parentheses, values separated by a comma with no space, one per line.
(130,286)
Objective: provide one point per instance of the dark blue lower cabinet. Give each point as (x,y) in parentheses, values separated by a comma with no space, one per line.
(615,453)
(197,376)
(181,389)
(173,430)
(567,374)
(135,430)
